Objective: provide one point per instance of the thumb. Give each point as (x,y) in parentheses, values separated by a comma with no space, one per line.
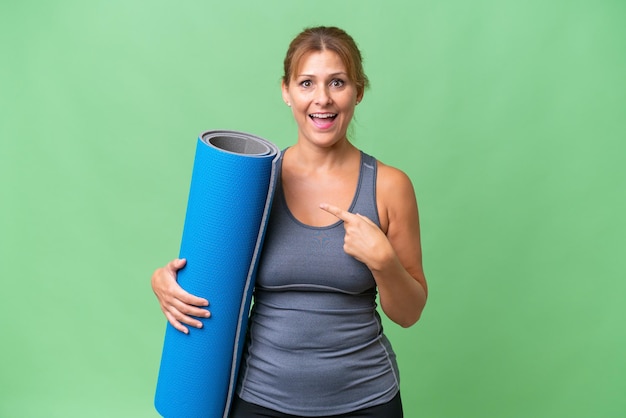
(176,264)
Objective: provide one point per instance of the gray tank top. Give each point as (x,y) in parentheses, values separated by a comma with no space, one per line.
(315,343)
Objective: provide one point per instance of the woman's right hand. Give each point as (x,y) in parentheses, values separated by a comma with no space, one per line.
(179,306)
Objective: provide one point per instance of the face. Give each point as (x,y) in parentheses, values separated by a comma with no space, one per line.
(322,98)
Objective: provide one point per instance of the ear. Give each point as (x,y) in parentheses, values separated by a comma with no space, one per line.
(285,91)
(359,96)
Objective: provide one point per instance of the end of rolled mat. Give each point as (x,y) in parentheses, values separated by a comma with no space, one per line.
(238,142)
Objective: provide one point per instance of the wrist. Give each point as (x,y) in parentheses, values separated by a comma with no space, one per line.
(386,260)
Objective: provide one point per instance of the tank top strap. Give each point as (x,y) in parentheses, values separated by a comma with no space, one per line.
(365,197)
(364,201)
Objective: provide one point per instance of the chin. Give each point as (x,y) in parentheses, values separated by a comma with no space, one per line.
(325,139)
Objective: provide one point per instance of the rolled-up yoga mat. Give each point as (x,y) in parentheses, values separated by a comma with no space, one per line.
(231,191)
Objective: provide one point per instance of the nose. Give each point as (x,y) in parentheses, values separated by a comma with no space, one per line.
(322,96)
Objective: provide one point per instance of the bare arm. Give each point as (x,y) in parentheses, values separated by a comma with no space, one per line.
(394,255)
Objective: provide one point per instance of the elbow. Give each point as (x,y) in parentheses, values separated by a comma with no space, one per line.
(409,321)
(406,324)
(413,315)
(406,317)
(405,312)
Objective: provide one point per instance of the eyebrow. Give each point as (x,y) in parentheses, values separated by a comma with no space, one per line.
(330,75)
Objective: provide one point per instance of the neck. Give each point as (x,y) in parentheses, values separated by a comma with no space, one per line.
(310,157)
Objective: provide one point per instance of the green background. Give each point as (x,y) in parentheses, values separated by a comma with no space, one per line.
(507,115)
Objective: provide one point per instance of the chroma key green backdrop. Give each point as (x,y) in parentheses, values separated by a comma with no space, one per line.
(509,116)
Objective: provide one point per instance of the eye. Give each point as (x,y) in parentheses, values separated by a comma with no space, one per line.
(306,83)
(337,83)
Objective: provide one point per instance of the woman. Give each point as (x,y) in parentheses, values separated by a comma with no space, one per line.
(343,226)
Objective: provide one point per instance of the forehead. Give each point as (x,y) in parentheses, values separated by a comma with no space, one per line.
(320,62)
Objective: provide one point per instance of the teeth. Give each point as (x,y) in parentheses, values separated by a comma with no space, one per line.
(323,115)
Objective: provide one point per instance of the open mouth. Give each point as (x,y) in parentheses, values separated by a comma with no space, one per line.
(323,119)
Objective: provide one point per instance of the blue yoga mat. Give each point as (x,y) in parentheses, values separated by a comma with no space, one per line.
(231,191)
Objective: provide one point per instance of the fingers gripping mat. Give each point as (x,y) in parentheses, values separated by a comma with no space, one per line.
(232,184)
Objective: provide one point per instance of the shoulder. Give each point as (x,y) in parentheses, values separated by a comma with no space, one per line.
(395,195)
(392,179)
(389,178)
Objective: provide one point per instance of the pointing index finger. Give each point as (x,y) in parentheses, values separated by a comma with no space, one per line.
(334,210)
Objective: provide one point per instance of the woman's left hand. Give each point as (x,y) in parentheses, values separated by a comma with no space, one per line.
(364,240)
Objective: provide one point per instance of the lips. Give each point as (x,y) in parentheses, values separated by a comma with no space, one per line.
(323,120)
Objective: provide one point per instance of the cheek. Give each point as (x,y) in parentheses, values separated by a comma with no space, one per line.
(348,106)
(300,103)
(298,107)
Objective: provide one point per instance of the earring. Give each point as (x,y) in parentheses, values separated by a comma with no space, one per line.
(288,104)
